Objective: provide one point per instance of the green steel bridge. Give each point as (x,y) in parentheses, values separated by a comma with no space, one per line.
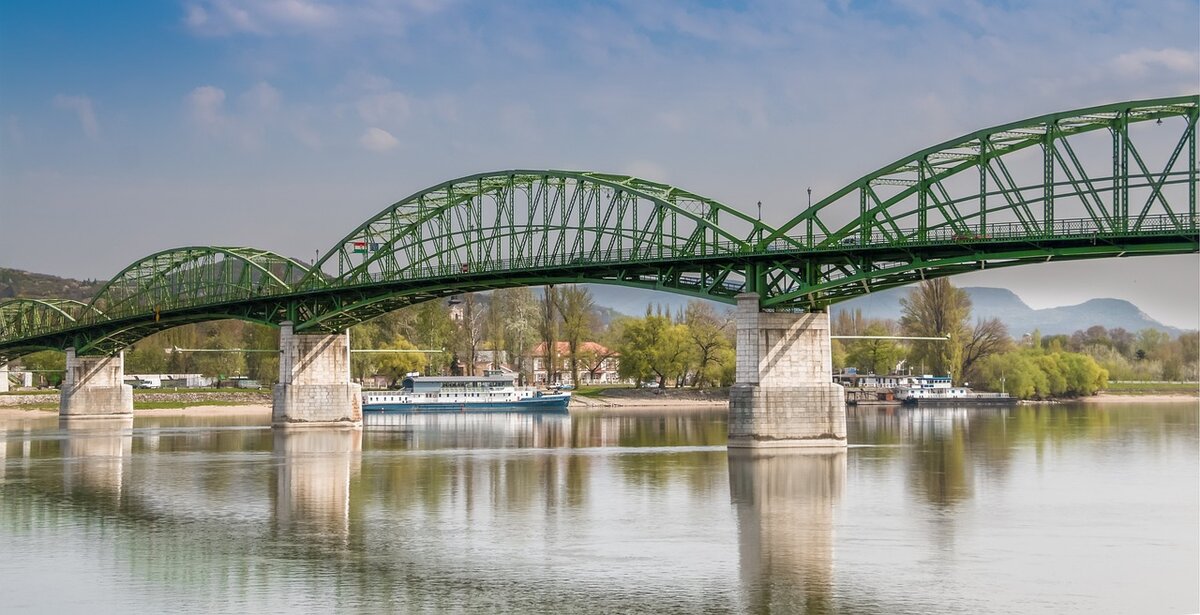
(1108,181)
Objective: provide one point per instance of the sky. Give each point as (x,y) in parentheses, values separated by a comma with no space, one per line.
(132,127)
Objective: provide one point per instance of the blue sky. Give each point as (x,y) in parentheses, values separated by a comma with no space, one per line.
(131,127)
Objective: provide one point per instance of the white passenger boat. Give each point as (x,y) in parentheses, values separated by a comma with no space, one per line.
(491,393)
(939,390)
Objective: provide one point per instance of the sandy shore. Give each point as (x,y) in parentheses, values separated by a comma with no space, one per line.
(17,412)
(600,403)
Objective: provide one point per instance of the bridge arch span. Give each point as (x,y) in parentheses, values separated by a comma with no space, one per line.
(24,317)
(191,276)
(1091,166)
(532,219)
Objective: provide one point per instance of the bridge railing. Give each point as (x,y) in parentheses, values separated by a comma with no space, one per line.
(1067,228)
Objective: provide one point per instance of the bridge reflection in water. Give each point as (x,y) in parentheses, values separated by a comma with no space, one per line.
(785,504)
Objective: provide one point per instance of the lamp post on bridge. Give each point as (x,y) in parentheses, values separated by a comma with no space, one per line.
(760,221)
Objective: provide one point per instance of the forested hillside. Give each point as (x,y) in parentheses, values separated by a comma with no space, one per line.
(17,283)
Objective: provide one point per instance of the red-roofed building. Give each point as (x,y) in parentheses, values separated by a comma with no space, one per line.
(597,364)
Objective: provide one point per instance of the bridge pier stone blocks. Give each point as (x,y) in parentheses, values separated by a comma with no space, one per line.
(95,387)
(784,395)
(314,382)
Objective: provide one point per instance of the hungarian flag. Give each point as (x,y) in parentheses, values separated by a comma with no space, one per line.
(360,247)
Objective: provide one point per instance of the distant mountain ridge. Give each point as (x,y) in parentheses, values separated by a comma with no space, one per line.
(1005,305)
(986,302)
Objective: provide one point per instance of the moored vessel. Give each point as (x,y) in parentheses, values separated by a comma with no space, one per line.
(490,393)
(940,391)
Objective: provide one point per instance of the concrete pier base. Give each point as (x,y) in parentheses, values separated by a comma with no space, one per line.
(784,395)
(314,382)
(95,387)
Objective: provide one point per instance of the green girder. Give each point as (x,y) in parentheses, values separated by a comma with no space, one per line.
(1108,181)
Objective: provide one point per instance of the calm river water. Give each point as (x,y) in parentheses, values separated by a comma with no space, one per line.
(1030,510)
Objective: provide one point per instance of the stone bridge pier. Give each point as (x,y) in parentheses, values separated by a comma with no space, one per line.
(3,377)
(95,387)
(314,381)
(784,395)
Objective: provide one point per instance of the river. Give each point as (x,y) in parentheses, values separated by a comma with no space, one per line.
(1034,509)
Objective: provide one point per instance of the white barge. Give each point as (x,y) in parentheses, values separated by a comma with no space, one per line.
(940,391)
(491,393)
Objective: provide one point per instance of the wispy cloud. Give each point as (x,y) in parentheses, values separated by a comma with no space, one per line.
(289,17)
(205,107)
(377,140)
(391,108)
(82,107)
(1141,61)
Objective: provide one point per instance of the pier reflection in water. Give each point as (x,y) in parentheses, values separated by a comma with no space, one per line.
(785,503)
(95,453)
(1036,509)
(313,471)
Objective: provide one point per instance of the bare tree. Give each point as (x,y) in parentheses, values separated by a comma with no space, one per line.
(519,314)
(989,337)
(576,307)
(709,333)
(549,331)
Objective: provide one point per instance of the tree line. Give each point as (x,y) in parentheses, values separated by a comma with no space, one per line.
(692,347)
(984,355)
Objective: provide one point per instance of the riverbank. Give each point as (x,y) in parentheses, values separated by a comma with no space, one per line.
(209,403)
(1110,398)
(650,398)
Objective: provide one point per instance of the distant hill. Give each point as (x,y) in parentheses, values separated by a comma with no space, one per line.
(1007,306)
(986,303)
(17,283)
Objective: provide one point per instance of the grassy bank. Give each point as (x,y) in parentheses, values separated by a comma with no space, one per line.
(1152,388)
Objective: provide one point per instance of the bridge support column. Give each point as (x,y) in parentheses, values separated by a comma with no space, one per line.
(784,395)
(3,377)
(95,386)
(314,381)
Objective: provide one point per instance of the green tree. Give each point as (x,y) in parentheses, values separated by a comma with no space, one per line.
(262,366)
(146,357)
(48,366)
(220,335)
(838,351)
(396,365)
(936,308)
(654,347)
(1014,373)
(433,329)
(875,356)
